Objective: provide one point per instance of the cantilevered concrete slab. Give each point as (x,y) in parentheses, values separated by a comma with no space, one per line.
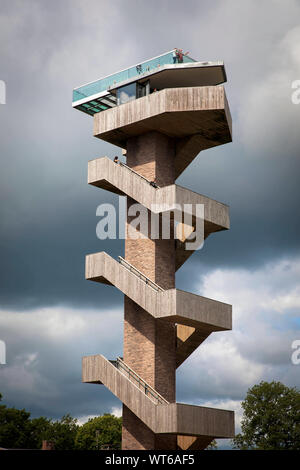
(189,74)
(172,305)
(197,118)
(120,179)
(172,418)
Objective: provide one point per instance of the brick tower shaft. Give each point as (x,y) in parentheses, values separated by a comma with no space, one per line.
(149,343)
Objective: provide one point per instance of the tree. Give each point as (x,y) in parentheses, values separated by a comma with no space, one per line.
(14,428)
(40,430)
(100,431)
(62,433)
(212,446)
(271,419)
(18,431)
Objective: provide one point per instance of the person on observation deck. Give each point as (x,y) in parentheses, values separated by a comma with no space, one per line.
(153,183)
(181,55)
(175,55)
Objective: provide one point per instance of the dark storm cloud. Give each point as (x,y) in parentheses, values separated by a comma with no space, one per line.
(48,212)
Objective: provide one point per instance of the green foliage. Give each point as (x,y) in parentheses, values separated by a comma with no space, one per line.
(212,446)
(100,431)
(18,431)
(271,419)
(14,428)
(39,430)
(62,433)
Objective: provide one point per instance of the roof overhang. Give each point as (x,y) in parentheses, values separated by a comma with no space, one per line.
(182,75)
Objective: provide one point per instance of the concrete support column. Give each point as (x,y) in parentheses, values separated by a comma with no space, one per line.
(150,344)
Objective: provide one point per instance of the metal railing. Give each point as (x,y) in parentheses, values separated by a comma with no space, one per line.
(141,384)
(138,174)
(140,275)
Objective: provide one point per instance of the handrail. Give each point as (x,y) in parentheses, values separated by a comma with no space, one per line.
(138,273)
(138,174)
(148,390)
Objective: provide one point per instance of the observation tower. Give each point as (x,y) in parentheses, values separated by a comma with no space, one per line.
(162,113)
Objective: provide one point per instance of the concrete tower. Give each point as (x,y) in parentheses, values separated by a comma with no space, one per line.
(163,113)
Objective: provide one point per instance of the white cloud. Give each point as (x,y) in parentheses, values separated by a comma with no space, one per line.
(84,419)
(44,350)
(275,286)
(59,324)
(117,411)
(265,322)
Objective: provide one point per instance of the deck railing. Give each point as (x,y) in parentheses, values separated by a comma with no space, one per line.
(140,275)
(139,382)
(138,174)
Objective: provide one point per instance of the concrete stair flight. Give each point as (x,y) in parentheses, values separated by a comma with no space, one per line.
(120,179)
(174,305)
(160,416)
(197,316)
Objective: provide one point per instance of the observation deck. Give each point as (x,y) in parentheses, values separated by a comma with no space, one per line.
(143,79)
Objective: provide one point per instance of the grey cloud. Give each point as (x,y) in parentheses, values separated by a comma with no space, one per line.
(44,350)
(48,212)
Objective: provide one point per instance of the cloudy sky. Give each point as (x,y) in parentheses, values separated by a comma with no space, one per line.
(49,315)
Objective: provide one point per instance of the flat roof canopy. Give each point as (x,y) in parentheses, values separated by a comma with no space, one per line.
(183,75)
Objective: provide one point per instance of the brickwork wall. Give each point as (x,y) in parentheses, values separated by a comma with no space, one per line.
(152,155)
(135,434)
(149,344)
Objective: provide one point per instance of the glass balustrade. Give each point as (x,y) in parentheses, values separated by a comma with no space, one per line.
(112,81)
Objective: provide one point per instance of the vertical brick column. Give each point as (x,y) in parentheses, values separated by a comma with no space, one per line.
(149,344)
